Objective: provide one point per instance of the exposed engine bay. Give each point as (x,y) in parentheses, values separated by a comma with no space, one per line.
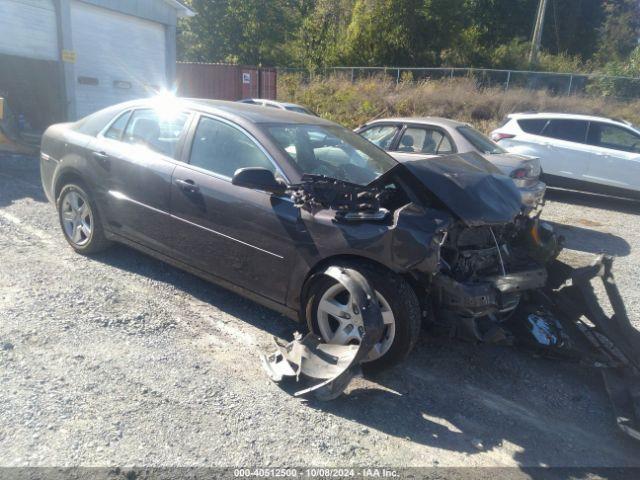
(494,281)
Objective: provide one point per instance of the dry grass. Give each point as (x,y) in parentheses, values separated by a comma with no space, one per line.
(352,104)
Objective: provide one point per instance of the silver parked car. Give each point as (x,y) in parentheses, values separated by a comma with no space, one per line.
(580,152)
(412,138)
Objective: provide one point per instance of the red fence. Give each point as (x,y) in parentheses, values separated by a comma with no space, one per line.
(225,82)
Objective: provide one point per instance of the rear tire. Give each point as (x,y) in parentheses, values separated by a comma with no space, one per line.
(393,292)
(80,220)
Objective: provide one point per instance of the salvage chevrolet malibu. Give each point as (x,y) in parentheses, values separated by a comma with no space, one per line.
(318,223)
(258,200)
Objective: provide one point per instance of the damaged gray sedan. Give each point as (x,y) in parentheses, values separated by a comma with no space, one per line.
(265,202)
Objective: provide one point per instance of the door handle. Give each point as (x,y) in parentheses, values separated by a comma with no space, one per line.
(188,186)
(102,158)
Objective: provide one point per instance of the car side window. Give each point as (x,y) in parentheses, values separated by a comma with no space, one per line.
(381,135)
(569,130)
(445,146)
(424,140)
(158,131)
(223,149)
(613,137)
(532,125)
(117,128)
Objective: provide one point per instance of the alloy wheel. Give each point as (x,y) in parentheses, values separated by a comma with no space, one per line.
(77,218)
(338,322)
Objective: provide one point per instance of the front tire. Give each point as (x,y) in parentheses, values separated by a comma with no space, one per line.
(79,220)
(327,314)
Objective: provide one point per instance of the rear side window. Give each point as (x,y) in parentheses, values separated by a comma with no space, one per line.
(532,125)
(613,137)
(222,149)
(381,135)
(424,140)
(117,128)
(569,130)
(95,123)
(158,131)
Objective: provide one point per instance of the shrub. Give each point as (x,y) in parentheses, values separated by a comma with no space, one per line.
(351,104)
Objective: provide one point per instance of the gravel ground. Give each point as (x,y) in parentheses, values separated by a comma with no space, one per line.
(122,360)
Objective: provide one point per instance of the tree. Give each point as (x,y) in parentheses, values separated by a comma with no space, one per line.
(239,31)
(620,30)
(471,33)
(382,32)
(321,34)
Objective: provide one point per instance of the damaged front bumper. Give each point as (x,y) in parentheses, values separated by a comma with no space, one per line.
(492,294)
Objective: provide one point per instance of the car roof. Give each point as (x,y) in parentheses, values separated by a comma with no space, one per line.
(571,116)
(256,114)
(445,122)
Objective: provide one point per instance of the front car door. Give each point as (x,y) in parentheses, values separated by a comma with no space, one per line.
(382,135)
(241,235)
(616,159)
(137,155)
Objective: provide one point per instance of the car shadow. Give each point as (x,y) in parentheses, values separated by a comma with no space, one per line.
(449,395)
(473,399)
(592,241)
(131,260)
(594,200)
(20,178)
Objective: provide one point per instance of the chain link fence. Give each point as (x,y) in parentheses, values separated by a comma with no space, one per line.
(554,82)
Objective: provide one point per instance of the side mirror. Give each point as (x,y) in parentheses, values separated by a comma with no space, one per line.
(257,178)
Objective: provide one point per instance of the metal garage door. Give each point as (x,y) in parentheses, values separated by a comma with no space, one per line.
(119,57)
(28,29)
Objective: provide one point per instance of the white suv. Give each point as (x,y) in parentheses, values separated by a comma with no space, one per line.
(577,151)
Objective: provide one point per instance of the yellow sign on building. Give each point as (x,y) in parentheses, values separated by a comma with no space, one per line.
(69,56)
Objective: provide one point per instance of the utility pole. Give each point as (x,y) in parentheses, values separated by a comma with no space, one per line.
(537,31)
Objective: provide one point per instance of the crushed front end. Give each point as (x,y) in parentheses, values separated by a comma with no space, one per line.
(506,285)
(487,271)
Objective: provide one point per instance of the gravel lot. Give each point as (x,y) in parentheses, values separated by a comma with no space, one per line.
(122,360)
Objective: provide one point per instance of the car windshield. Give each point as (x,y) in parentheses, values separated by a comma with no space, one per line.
(480,141)
(332,151)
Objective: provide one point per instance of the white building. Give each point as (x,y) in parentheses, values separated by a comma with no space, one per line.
(63,59)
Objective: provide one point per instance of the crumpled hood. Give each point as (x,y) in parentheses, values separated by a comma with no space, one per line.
(473,188)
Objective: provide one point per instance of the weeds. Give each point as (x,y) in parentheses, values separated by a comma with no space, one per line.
(351,104)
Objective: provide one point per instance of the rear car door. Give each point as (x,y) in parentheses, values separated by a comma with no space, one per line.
(616,156)
(564,152)
(137,155)
(425,140)
(241,235)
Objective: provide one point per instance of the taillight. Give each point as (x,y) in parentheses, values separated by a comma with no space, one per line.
(497,136)
(520,173)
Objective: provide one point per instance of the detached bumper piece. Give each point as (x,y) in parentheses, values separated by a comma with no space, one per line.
(568,319)
(494,293)
(326,369)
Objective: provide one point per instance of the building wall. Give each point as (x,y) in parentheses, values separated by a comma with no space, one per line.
(154,10)
(119,57)
(44,29)
(28,28)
